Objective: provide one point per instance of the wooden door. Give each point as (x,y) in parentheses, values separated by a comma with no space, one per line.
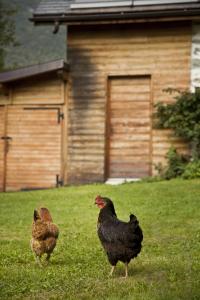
(129,127)
(34,154)
(2,147)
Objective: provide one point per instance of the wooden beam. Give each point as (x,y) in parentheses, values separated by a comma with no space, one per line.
(63,75)
(4,90)
(133,21)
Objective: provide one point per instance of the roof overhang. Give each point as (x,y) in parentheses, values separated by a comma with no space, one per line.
(58,66)
(135,14)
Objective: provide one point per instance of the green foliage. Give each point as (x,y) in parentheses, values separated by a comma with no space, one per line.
(7,30)
(175,166)
(192,170)
(168,267)
(36,44)
(183,117)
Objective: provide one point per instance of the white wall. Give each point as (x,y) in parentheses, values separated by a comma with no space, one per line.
(195,64)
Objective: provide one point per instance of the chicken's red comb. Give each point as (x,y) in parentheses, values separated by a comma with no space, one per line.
(98,197)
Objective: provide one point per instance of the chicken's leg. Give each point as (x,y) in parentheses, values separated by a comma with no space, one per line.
(126,270)
(112,269)
(38,260)
(48,257)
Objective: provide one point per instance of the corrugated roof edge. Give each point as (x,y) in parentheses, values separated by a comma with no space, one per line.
(71,17)
(33,70)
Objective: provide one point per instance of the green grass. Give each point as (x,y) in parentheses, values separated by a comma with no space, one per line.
(167,268)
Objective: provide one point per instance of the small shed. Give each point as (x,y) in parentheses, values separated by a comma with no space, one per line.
(93,122)
(122,55)
(32,126)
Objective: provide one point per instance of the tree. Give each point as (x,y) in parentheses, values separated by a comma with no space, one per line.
(7,30)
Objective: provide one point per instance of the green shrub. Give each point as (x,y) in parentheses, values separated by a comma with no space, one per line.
(175,165)
(192,170)
(183,117)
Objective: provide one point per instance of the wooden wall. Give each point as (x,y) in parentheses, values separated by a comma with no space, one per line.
(128,135)
(161,51)
(33,158)
(36,152)
(2,145)
(38,90)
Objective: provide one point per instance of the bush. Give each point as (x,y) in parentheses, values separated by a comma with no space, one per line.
(192,170)
(183,117)
(178,166)
(175,166)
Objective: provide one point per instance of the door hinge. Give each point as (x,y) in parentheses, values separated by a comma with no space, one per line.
(59,182)
(60,116)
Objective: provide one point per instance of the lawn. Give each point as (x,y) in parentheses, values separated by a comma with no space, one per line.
(167,268)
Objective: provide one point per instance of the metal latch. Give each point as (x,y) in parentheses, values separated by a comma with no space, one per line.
(6,138)
(59,182)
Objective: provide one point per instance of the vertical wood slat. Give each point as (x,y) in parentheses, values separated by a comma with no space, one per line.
(64,152)
(65,149)
(129,126)
(2,147)
(34,156)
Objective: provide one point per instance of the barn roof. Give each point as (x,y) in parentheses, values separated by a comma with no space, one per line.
(39,69)
(73,11)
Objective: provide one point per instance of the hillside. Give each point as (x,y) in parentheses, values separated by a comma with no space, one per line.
(37,44)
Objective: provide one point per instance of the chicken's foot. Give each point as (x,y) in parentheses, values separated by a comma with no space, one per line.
(48,257)
(38,260)
(126,270)
(112,270)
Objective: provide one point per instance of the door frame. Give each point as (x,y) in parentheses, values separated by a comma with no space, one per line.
(60,120)
(108,116)
(4,156)
(59,109)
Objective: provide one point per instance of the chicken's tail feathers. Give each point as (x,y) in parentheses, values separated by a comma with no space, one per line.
(53,230)
(133,219)
(45,215)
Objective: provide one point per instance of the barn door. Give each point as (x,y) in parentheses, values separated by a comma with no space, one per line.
(128,128)
(2,147)
(34,153)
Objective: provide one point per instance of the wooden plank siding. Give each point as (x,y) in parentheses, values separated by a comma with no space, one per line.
(2,147)
(4,98)
(161,51)
(35,154)
(44,89)
(129,127)
(33,159)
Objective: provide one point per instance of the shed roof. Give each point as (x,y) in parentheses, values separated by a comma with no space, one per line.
(39,69)
(72,11)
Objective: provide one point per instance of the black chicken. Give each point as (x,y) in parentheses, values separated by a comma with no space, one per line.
(121,240)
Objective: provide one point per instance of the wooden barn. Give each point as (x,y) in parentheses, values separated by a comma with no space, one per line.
(32,108)
(121,56)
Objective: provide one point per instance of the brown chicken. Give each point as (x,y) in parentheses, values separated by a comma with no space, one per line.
(44,234)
